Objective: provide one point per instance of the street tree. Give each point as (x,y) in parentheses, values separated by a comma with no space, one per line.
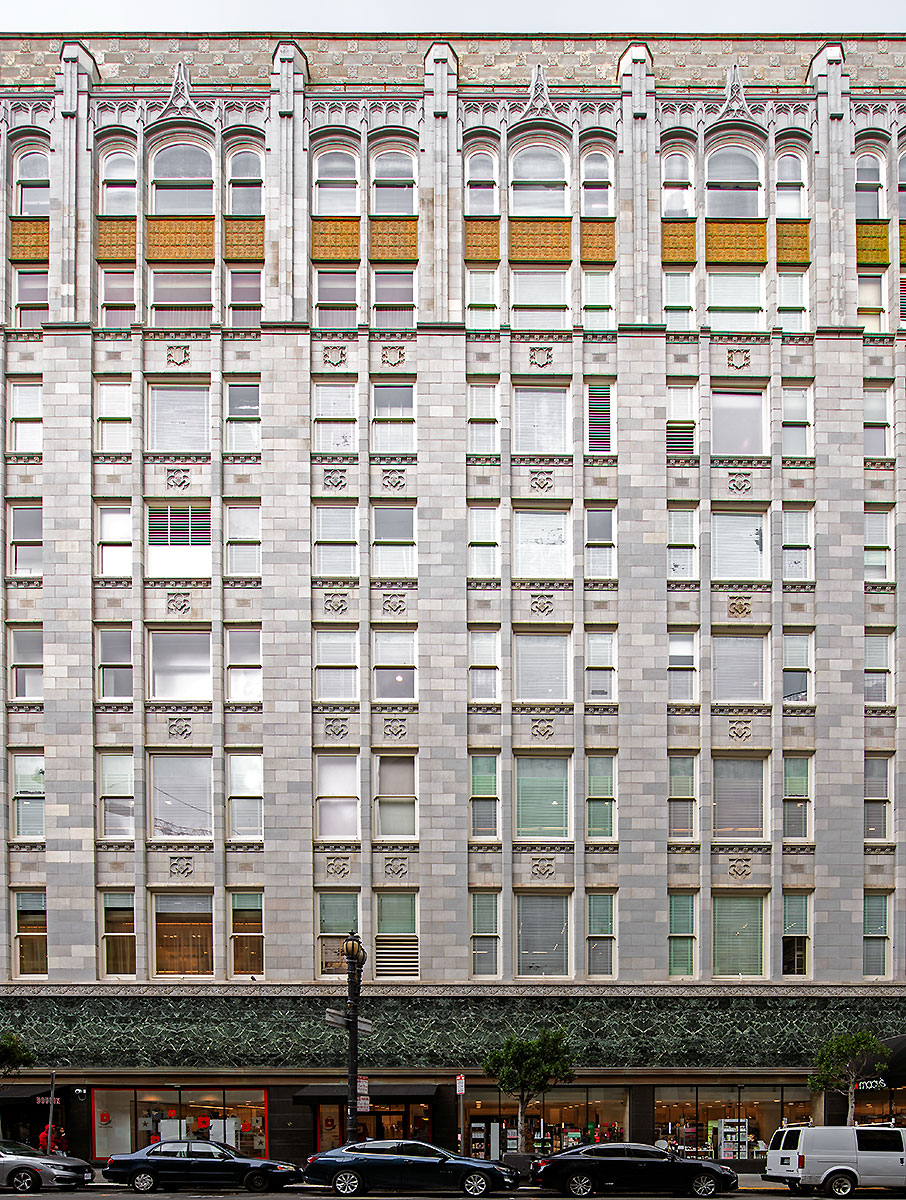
(845,1059)
(526,1067)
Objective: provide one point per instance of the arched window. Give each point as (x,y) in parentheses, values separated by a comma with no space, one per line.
(336,183)
(869,188)
(394,183)
(734,181)
(596,185)
(245,183)
(33,184)
(118,183)
(790,186)
(676,191)
(539,183)
(481,184)
(182,182)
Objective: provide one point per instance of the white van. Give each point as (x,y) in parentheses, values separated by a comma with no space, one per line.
(837,1158)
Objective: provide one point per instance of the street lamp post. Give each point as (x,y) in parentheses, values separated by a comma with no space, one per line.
(354,953)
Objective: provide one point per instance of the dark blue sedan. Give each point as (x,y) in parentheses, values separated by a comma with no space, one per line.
(186,1163)
(405,1166)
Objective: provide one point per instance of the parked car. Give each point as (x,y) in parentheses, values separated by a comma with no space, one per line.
(187,1163)
(837,1158)
(409,1166)
(627,1166)
(25,1169)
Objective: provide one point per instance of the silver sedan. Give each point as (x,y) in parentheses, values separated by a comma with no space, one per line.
(25,1169)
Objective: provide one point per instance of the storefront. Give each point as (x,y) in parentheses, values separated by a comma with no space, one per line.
(403,1110)
(561,1118)
(125,1119)
(727,1121)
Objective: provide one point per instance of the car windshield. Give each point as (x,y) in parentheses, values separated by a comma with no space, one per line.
(21,1150)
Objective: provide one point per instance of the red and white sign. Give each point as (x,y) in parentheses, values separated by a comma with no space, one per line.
(362,1085)
(363,1104)
(460,1085)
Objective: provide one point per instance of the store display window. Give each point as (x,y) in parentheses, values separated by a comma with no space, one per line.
(561,1118)
(125,1119)
(729,1122)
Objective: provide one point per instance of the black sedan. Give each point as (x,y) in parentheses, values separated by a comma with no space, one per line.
(197,1164)
(628,1167)
(405,1166)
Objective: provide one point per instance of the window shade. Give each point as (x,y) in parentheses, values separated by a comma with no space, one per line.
(876,785)
(539,287)
(484,912)
(676,289)
(600,775)
(542,935)
(539,421)
(484,775)
(396,913)
(876,651)
(738,669)
(737,423)
(181,796)
(541,666)
(876,524)
(338,912)
(795,915)
(738,935)
(734,290)
(681,525)
(540,549)
(117,774)
(682,913)
(738,545)
(169,525)
(542,797)
(874,914)
(738,797)
(795,777)
(334,400)
(178,419)
(795,526)
(599,418)
(682,775)
(600,914)
(796,650)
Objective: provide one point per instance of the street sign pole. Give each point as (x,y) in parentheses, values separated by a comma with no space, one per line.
(461,1092)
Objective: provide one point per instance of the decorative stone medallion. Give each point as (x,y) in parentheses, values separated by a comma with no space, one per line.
(542,868)
(393,356)
(542,727)
(178,479)
(739,606)
(182,866)
(178,356)
(741,731)
(740,481)
(740,868)
(541,481)
(395,728)
(396,866)
(336,602)
(540,356)
(739,359)
(337,866)
(336,728)
(334,356)
(179,727)
(335,479)
(179,603)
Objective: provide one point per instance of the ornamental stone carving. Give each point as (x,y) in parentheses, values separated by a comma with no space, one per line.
(740,481)
(540,356)
(740,868)
(393,356)
(542,727)
(182,866)
(393,480)
(394,604)
(179,727)
(335,238)
(337,866)
(178,479)
(336,602)
(482,240)
(334,356)
(739,606)
(542,868)
(542,604)
(741,731)
(739,359)
(396,866)
(336,728)
(335,479)
(395,728)
(541,481)
(179,603)
(178,356)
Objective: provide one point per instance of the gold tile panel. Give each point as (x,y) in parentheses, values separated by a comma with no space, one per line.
(335,238)
(116,239)
(678,241)
(393,239)
(872,244)
(540,239)
(29,239)
(482,239)
(598,241)
(243,238)
(736,241)
(903,243)
(793,242)
(180,238)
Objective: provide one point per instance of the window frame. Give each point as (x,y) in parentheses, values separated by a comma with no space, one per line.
(522,185)
(111,938)
(479,186)
(683,187)
(386,188)
(25,184)
(724,187)
(237,184)
(197,186)
(112,185)
(321,186)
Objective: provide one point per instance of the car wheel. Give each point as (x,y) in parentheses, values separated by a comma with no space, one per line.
(839,1184)
(704,1184)
(348,1183)
(475,1184)
(580,1184)
(257,1181)
(144,1182)
(23,1180)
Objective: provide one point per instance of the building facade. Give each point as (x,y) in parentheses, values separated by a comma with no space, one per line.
(451,492)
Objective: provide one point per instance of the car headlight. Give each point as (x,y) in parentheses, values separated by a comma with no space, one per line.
(285,1167)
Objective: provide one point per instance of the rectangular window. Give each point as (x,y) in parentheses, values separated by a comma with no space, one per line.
(600,557)
(25,418)
(738,797)
(394,664)
(245,299)
(484,547)
(394,300)
(338,915)
(393,421)
(117,299)
(876,417)
(31,299)
(334,413)
(600,802)
(540,548)
(243,664)
(395,802)
(877,544)
(599,427)
(481,300)
(681,935)
(542,797)
(113,404)
(600,667)
(336,797)
(336,669)
(875,907)
(336,304)
(484,795)
(114,655)
(737,665)
(877,668)
(242,530)
(682,410)
(681,799)
(735,301)
(247,932)
(178,419)
(245,795)
(31,933)
(542,935)
(28,795)
(682,687)
(597,300)
(796,423)
(795,956)
(181,797)
(336,540)
(737,550)
(26,665)
(870,307)
(737,423)
(243,418)
(26,545)
(796,797)
(792,301)
(183,934)
(179,540)
(484,669)
(600,940)
(393,545)
(114,546)
(118,932)
(540,423)
(542,667)
(797,543)
(483,420)
(180,666)
(678,299)
(485,943)
(682,551)
(539,300)
(180,299)
(396,936)
(877,798)
(737,934)
(116,795)
(797,665)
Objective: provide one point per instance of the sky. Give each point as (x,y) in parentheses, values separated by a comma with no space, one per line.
(463,16)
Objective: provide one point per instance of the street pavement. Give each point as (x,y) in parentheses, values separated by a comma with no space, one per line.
(103,1191)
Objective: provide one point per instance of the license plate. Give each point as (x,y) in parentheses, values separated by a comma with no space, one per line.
(89,1175)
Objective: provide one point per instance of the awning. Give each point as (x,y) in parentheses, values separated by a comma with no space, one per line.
(23,1091)
(325,1093)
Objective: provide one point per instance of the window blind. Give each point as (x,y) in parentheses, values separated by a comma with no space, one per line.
(682,913)
(681,525)
(539,421)
(599,650)
(876,773)
(483,524)
(600,775)
(542,797)
(791,291)
(737,423)
(539,287)
(338,912)
(795,777)
(597,287)
(245,816)
(795,526)
(677,290)
(178,419)
(876,651)
(540,545)
(874,914)
(181,797)
(30,816)
(336,646)
(484,912)
(734,290)
(117,774)
(876,528)
(599,418)
(26,400)
(738,669)
(542,935)
(396,912)
(738,545)
(172,525)
(738,797)
(334,400)
(541,666)
(795,914)
(682,775)
(738,935)
(600,914)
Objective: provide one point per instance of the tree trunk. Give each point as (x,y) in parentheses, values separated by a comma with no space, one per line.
(520,1127)
(851,1104)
